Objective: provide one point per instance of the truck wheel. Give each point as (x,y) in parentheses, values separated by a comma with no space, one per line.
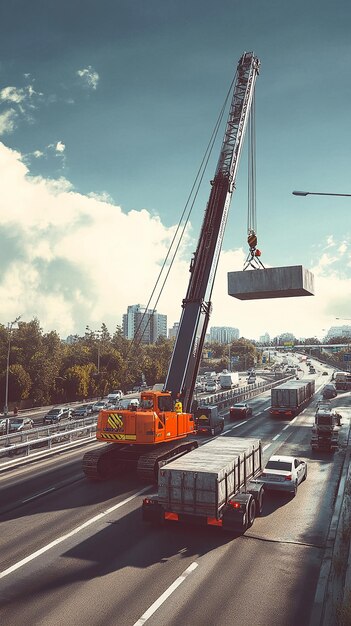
(293,493)
(251,513)
(259,503)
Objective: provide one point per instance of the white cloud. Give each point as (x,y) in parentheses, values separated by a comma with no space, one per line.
(73,260)
(23,100)
(12,94)
(7,121)
(89,77)
(60,147)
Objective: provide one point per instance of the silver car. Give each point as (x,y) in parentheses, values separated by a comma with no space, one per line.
(283,473)
(102,404)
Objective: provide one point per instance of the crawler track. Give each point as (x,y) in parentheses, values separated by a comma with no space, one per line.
(113,460)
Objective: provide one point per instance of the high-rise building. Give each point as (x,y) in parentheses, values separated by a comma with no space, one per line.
(223,334)
(339,331)
(172,332)
(265,339)
(143,323)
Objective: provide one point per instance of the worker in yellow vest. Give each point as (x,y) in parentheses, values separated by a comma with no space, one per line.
(178,406)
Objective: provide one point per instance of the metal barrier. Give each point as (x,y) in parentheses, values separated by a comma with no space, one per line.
(45,437)
(225,399)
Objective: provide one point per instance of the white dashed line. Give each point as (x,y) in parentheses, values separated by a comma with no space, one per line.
(166,595)
(38,495)
(237,425)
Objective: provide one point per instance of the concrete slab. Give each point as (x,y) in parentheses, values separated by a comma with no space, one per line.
(273,282)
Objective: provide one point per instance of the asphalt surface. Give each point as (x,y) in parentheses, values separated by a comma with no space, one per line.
(74,552)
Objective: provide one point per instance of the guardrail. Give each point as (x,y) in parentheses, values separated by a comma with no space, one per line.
(46,437)
(224,399)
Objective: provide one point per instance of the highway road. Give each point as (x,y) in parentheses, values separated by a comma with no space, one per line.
(74,552)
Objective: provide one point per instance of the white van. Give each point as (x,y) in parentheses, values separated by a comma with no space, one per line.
(112,398)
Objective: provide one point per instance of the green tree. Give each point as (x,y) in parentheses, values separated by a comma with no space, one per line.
(19,384)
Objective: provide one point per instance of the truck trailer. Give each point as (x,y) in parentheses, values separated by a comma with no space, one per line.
(213,485)
(228,380)
(342,381)
(288,399)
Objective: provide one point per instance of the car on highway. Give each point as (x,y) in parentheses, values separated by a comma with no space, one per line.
(240,410)
(57,414)
(329,391)
(211,386)
(98,406)
(283,473)
(17,424)
(128,404)
(82,411)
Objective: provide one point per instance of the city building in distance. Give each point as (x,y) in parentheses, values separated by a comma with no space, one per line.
(223,334)
(143,324)
(338,331)
(172,332)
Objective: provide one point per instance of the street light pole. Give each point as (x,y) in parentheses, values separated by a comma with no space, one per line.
(318,193)
(6,407)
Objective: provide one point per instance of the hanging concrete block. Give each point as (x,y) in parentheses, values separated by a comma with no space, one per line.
(274,282)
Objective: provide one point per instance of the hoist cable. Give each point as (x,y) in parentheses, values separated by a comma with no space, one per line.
(180,231)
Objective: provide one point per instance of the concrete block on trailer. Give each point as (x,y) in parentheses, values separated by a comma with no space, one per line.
(273,282)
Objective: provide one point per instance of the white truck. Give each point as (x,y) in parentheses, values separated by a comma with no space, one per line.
(213,485)
(228,380)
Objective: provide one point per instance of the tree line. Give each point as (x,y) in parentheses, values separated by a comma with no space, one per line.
(44,369)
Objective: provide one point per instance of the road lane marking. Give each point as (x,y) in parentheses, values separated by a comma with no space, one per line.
(37,495)
(287,426)
(73,532)
(237,425)
(276,437)
(153,608)
(266,446)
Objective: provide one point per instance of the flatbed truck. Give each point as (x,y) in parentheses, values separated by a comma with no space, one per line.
(216,485)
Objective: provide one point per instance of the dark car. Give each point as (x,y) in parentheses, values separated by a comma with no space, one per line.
(240,410)
(329,391)
(54,416)
(83,410)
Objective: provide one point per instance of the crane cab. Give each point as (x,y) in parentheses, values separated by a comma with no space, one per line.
(153,421)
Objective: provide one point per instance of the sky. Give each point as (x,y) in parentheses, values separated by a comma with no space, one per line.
(106,109)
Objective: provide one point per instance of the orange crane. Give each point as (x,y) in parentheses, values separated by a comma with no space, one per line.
(158,430)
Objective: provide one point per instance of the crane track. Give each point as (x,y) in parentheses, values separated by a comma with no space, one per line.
(110,461)
(149,463)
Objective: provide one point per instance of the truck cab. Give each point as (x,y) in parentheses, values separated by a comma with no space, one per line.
(208,421)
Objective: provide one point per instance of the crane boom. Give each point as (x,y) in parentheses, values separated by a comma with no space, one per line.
(196,305)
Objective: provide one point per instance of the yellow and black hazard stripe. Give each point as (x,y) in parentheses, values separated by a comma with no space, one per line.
(118,436)
(115,421)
